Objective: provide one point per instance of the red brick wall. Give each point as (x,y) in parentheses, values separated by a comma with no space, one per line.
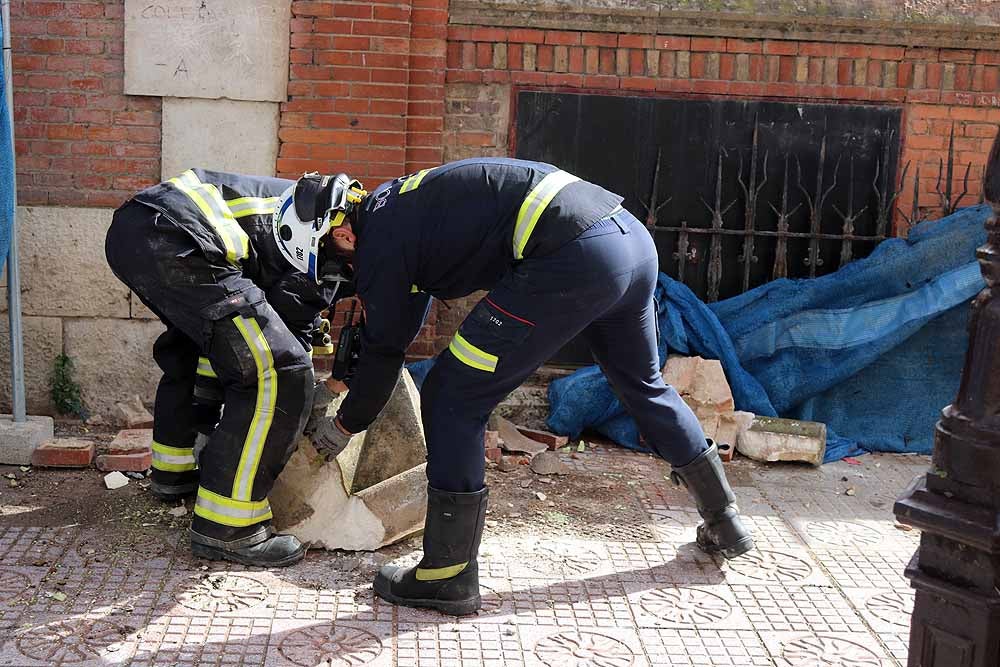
(365,94)
(80,141)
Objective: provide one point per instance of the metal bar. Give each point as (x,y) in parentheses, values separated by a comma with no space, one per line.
(780,269)
(751,190)
(715,246)
(13,270)
(849,218)
(778,234)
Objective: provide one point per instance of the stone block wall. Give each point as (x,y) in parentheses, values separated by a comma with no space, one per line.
(72,304)
(384,88)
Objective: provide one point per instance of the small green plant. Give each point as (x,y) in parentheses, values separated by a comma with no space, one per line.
(65,390)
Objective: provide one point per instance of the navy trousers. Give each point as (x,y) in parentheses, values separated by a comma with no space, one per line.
(599,286)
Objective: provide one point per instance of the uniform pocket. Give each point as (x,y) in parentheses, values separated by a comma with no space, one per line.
(487,334)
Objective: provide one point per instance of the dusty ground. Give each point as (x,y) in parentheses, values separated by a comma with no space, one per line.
(596,570)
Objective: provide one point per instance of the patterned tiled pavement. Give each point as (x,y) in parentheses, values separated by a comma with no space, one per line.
(612,584)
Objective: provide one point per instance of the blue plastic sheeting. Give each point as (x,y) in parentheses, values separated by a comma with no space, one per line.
(6,171)
(874,350)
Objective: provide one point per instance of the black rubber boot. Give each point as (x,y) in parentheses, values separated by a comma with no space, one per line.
(259,549)
(447,577)
(171,487)
(722,532)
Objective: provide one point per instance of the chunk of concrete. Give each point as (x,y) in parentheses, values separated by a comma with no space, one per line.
(512,440)
(548,463)
(19,440)
(62,246)
(316,500)
(772,439)
(43,342)
(115,480)
(242,137)
(132,414)
(393,444)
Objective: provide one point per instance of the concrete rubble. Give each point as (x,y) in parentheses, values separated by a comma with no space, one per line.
(373,494)
(132,414)
(115,480)
(703,386)
(548,463)
(772,439)
(511,440)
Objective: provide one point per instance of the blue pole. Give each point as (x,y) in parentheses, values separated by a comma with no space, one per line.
(13,270)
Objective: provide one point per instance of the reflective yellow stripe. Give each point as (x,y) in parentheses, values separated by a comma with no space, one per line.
(205,368)
(244,206)
(413,182)
(470,355)
(173,459)
(438,573)
(414,289)
(229,512)
(267,390)
(534,205)
(209,201)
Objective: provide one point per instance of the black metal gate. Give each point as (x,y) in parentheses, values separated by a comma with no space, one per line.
(737,193)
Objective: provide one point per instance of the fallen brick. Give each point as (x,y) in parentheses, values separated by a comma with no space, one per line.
(494,454)
(64,453)
(131,441)
(551,439)
(138,462)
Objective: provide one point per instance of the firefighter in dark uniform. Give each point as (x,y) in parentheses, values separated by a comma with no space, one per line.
(559,258)
(235,267)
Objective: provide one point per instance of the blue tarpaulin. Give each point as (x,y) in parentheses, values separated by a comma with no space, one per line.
(6,170)
(873,350)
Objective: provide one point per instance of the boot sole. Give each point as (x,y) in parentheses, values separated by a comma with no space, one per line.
(172,493)
(734,551)
(465,607)
(214,553)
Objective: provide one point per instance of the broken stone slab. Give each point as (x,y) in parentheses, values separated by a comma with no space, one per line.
(115,480)
(132,414)
(700,382)
(511,439)
(393,444)
(771,439)
(327,505)
(548,463)
(551,440)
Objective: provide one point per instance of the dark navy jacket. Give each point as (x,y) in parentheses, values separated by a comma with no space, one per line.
(230,218)
(447,232)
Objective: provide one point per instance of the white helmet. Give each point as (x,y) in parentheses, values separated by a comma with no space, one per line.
(307,211)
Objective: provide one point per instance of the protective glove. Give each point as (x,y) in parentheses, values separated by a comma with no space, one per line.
(328,439)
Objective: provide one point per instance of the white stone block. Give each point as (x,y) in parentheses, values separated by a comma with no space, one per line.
(113,360)
(63,269)
(213,49)
(223,135)
(770,439)
(18,440)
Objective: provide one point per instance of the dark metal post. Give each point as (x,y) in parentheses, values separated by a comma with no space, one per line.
(956,570)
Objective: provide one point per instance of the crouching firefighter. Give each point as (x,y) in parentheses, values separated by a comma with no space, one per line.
(559,258)
(237,268)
